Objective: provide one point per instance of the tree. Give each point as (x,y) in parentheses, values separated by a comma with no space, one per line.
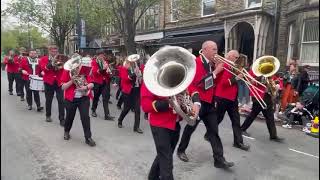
(19,37)
(57,17)
(127,17)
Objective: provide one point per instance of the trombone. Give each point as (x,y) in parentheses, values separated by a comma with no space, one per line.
(246,78)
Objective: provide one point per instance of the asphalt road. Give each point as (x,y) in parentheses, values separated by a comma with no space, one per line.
(33,149)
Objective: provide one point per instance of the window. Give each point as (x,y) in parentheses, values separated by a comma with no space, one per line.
(290,44)
(208,7)
(309,53)
(253,3)
(150,19)
(174,10)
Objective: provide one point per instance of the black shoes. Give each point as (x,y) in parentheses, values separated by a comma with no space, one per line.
(108,117)
(242,146)
(182,156)
(39,108)
(138,130)
(223,164)
(119,107)
(66,136)
(10,93)
(277,139)
(120,125)
(22,98)
(110,102)
(29,107)
(94,114)
(90,142)
(62,122)
(48,119)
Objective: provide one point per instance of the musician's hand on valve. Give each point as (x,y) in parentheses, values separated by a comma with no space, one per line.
(239,76)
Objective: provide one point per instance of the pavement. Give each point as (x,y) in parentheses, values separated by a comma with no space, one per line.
(32,149)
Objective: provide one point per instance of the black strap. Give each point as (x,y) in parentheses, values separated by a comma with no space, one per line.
(205,64)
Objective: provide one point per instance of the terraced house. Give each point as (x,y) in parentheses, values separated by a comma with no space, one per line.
(284,28)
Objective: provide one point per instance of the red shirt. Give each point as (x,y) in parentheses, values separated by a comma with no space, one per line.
(224,88)
(97,77)
(28,67)
(197,84)
(165,119)
(71,91)
(50,76)
(11,67)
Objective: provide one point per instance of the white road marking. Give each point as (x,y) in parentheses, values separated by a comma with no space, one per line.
(248,137)
(304,153)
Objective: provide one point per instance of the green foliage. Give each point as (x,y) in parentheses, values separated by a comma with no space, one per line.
(19,37)
(57,17)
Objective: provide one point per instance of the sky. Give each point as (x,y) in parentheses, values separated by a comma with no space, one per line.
(8,21)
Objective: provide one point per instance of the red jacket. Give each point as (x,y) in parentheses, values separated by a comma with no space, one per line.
(28,67)
(165,119)
(197,85)
(50,76)
(70,92)
(126,83)
(11,67)
(97,77)
(225,87)
(257,85)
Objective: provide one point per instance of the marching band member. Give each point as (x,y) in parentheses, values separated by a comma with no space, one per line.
(203,88)
(268,113)
(27,69)
(101,77)
(165,131)
(52,83)
(77,94)
(226,98)
(19,81)
(130,86)
(12,70)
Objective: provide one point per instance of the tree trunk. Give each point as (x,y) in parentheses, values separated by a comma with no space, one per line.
(130,30)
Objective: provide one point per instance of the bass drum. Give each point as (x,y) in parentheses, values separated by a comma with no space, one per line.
(36,83)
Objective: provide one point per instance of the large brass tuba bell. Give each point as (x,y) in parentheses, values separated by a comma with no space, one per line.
(168,73)
(266,66)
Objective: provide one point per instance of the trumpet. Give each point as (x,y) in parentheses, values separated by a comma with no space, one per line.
(102,63)
(58,61)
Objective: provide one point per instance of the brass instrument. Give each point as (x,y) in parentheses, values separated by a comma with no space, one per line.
(58,61)
(101,60)
(168,73)
(134,68)
(73,65)
(10,59)
(264,66)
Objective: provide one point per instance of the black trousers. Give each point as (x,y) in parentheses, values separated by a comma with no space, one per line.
(165,141)
(11,78)
(36,96)
(83,104)
(118,93)
(49,93)
(19,84)
(267,113)
(208,115)
(103,89)
(131,100)
(225,105)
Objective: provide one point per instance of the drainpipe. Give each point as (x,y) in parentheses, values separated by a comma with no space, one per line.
(275,28)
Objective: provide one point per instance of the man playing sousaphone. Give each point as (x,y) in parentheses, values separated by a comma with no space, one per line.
(29,67)
(131,79)
(101,77)
(77,85)
(51,69)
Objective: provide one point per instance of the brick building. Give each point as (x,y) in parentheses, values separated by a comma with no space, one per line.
(286,28)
